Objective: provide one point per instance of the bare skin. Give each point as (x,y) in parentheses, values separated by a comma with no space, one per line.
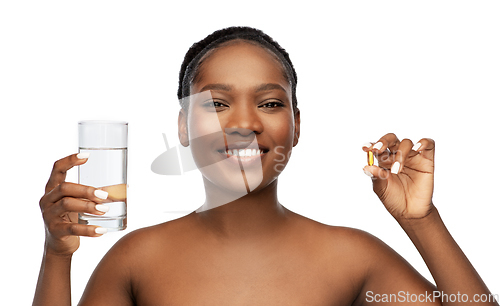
(254,251)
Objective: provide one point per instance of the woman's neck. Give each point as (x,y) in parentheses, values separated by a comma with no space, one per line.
(249,216)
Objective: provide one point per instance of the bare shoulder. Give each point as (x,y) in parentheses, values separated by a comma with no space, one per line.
(130,259)
(342,238)
(364,259)
(346,246)
(144,242)
(347,256)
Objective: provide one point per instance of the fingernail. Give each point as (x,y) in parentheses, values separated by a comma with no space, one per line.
(101,207)
(416,146)
(101,194)
(367,145)
(378,145)
(101,230)
(395,168)
(368,173)
(83,155)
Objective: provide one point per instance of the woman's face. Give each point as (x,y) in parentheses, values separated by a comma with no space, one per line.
(241,103)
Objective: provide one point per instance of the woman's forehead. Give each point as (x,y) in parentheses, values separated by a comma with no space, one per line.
(240,64)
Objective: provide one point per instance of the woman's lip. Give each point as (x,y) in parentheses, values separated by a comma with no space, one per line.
(245,152)
(242,146)
(245,160)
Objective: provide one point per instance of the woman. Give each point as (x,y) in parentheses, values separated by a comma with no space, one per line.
(237,91)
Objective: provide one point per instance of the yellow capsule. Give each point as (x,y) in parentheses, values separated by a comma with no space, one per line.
(370,158)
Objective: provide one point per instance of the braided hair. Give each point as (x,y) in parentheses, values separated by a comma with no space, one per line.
(195,55)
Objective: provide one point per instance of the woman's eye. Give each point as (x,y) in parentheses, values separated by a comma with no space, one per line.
(272,104)
(213,103)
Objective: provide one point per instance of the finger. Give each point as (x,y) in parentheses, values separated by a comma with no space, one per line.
(62,229)
(385,159)
(384,150)
(377,173)
(68,205)
(388,141)
(426,147)
(67,189)
(368,146)
(380,178)
(58,174)
(404,149)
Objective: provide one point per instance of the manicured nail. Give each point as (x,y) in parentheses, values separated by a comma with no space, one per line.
(378,145)
(395,168)
(101,194)
(368,173)
(367,145)
(416,146)
(101,207)
(83,155)
(101,230)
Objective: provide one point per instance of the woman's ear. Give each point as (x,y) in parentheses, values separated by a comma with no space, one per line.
(296,133)
(183,130)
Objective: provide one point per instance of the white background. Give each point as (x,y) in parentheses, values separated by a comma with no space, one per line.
(365,68)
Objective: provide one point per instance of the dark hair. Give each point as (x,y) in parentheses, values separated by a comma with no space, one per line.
(189,68)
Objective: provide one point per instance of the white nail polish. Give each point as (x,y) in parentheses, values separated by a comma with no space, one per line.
(101,194)
(416,146)
(101,207)
(368,173)
(367,145)
(378,145)
(101,230)
(395,168)
(83,155)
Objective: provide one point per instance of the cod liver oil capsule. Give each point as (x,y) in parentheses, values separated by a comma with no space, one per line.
(370,158)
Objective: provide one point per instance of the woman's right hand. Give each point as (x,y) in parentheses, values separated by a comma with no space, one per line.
(61,204)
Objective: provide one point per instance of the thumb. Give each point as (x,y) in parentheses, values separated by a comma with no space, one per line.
(380,178)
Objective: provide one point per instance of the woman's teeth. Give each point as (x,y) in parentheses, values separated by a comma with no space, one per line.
(244,152)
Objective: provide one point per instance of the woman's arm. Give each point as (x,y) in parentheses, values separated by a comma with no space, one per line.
(450,268)
(404,182)
(109,284)
(60,206)
(53,287)
(111,281)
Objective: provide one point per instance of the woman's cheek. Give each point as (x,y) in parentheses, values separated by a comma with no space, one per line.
(203,123)
(283,132)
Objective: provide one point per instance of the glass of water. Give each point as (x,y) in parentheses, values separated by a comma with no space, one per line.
(106,169)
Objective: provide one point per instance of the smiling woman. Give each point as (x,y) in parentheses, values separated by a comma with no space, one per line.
(240,118)
(250,102)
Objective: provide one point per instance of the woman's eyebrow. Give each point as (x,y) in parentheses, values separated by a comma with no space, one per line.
(216,86)
(269,86)
(258,88)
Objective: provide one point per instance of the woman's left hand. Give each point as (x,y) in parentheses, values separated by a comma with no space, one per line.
(404,177)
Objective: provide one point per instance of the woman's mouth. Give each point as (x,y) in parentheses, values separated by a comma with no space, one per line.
(244,157)
(244,152)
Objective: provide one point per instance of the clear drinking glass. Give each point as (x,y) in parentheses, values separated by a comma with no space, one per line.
(106,169)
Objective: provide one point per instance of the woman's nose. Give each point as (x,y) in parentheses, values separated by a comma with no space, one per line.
(244,120)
